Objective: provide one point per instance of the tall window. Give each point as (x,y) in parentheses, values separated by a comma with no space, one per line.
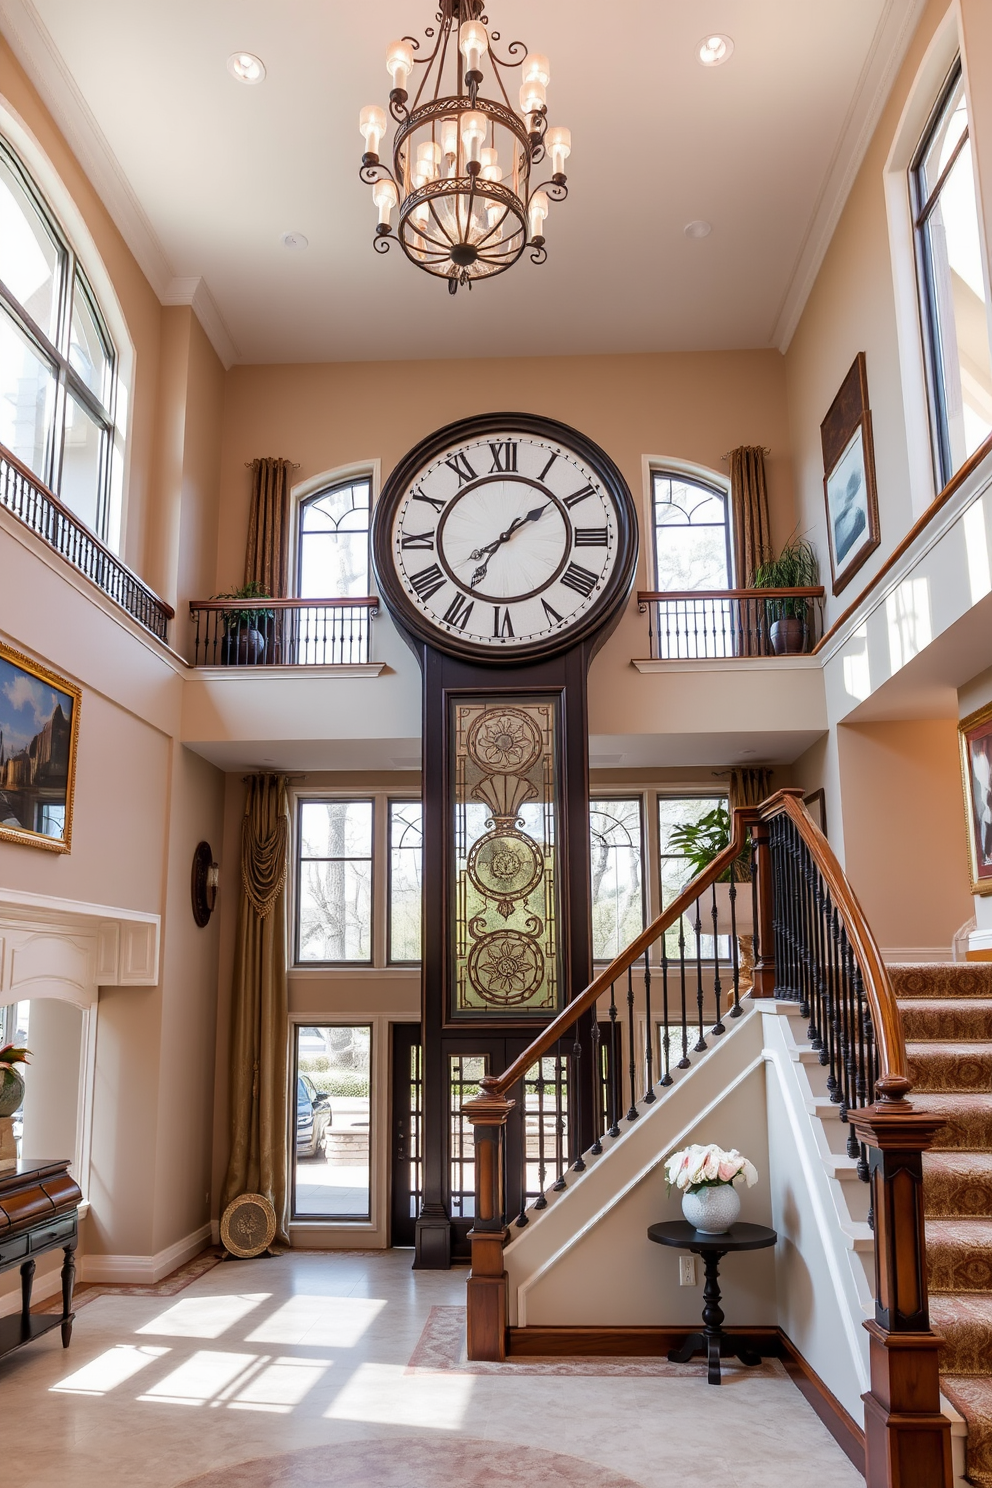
(406,851)
(331,1122)
(57,361)
(333,558)
(617,881)
(334,896)
(691,534)
(953,293)
(676,869)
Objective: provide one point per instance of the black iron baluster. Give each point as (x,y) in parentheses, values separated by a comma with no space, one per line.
(649,1095)
(614,1082)
(541,1202)
(735,958)
(700,1043)
(596,1074)
(633,1113)
(718,1026)
(574,1086)
(684,1061)
(666,1051)
(559,1182)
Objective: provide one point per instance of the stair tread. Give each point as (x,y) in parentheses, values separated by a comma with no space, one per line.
(942,979)
(972,1395)
(959,1255)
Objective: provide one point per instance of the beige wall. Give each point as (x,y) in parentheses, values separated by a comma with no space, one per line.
(851,309)
(905,848)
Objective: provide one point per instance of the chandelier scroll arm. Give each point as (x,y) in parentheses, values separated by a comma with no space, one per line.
(372,169)
(383,239)
(555,190)
(539,254)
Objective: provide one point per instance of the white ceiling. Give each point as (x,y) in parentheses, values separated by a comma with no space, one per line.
(204,174)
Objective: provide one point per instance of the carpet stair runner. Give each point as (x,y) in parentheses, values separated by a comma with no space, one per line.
(947,1019)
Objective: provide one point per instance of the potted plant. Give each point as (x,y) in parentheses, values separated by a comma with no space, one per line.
(706,1176)
(796,567)
(244,640)
(700,841)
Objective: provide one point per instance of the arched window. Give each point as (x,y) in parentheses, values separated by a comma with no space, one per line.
(57,361)
(333,555)
(691,533)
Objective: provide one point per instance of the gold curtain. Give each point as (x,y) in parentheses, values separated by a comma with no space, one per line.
(752,540)
(267,553)
(260,1009)
(749,787)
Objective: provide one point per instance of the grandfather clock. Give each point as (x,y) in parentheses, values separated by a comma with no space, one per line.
(504,548)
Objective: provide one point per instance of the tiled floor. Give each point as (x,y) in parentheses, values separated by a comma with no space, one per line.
(296,1372)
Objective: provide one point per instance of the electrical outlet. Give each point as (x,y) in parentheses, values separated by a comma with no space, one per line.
(687,1270)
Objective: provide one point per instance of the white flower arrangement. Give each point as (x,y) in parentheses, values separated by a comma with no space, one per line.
(698,1167)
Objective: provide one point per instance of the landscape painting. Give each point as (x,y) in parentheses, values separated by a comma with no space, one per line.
(39,722)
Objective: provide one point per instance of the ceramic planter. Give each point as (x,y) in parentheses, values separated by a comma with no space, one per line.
(713,1208)
(11,1090)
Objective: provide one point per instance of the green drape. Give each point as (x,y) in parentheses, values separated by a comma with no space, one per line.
(260,1009)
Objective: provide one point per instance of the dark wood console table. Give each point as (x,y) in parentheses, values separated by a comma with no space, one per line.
(713,1341)
(39,1205)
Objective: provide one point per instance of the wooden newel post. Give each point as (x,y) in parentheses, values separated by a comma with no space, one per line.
(487,1310)
(907,1440)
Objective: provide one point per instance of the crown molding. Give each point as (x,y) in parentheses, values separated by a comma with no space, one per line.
(893,34)
(32,44)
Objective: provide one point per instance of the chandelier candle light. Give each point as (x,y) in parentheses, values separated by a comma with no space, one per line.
(706,1177)
(460,180)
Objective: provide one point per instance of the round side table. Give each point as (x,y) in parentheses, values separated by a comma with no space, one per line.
(712,1341)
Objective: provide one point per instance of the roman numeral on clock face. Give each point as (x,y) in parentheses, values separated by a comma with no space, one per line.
(591,537)
(425,540)
(430,500)
(502,624)
(457,613)
(428,581)
(504,456)
(460,465)
(580,579)
(551,614)
(543,475)
(580,496)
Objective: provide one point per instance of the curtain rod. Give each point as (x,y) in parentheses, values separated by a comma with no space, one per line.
(764,450)
(296,464)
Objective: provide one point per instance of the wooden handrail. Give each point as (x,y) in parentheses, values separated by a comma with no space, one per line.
(262,602)
(893,1082)
(500,1084)
(658,596)
(49,495)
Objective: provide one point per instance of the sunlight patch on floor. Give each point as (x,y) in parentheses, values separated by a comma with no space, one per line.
(385,1392)
(107,1371)
(321,1321)
(204,1317)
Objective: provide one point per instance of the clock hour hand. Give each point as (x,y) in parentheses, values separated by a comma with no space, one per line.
(488,551)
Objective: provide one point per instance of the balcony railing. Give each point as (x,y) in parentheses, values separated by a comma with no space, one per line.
(711,623)
(22,494)
(282,632)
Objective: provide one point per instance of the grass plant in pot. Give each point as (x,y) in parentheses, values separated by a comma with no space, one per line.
(700,841)
(245,627)
(796,567)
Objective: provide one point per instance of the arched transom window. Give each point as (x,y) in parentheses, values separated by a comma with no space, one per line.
(57,361)
(691,533)
(333,560)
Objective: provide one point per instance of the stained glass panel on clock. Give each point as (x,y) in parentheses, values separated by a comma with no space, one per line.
(506,956)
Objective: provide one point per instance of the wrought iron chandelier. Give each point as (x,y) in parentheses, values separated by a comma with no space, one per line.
(461,170)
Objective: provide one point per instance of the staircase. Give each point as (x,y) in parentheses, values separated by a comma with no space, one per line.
(947,1020)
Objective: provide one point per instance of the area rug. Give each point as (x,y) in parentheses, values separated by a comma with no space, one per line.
(441,1349)
(411,1462)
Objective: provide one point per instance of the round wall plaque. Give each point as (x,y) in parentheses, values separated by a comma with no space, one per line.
(248,1225)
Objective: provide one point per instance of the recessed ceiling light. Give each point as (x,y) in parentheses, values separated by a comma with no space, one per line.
(713,50)
(295,241)
(698,229)
(246,67)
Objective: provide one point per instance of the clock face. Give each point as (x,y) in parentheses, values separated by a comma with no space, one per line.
(506,541)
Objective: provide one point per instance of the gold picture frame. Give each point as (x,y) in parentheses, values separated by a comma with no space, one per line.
(975,740)
(39,732)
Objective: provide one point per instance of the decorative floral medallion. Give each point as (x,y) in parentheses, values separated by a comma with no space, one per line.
(505,866)
(506,967)
(504,740)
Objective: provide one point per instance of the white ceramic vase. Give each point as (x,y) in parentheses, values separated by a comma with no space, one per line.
(713,1208)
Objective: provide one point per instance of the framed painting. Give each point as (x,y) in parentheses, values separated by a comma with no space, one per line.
(849,477)
(39,725)
(975,735)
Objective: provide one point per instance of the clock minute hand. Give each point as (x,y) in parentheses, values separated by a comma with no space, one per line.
(514,526)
